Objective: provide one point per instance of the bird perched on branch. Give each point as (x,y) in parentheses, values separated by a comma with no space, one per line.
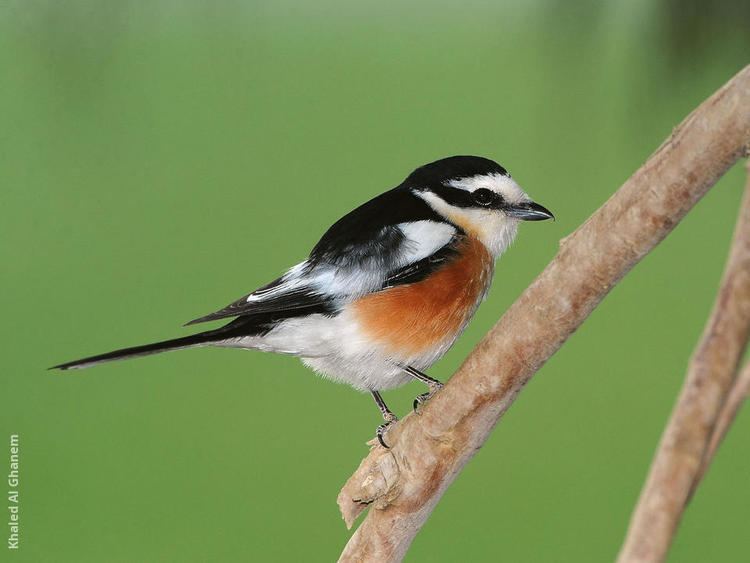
(388,288)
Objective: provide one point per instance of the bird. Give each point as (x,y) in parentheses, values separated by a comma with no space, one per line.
(387,289)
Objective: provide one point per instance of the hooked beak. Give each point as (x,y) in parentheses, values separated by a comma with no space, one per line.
(529,211)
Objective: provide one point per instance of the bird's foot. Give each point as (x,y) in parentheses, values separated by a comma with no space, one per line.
(424,397)
(380,432)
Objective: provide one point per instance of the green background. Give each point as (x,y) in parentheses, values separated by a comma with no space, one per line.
(158,160)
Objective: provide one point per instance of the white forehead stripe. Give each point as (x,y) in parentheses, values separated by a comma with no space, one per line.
(498,183)
(472,183)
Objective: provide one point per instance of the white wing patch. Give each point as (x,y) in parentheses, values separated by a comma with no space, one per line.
(423,239)
(293,279)
(343,282)
(346,281)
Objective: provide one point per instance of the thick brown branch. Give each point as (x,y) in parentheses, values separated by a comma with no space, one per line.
(403,485)
(684,444)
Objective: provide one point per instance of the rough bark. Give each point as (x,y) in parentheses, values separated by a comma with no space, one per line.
(402,485)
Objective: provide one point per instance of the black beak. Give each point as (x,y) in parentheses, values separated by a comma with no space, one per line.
(529,211)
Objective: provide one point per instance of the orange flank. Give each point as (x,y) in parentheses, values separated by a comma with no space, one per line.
(408,320)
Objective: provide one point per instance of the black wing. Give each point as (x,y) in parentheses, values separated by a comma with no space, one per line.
(419,270)
(274,302)
(370,230)
(366,242)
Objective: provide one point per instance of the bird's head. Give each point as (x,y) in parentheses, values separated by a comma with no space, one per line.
(478,196)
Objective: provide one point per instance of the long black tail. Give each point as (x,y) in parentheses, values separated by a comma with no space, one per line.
(200,339)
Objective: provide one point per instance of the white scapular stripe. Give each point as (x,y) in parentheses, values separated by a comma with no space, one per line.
(423,239)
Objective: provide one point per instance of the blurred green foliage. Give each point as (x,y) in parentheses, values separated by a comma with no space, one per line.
(160,159)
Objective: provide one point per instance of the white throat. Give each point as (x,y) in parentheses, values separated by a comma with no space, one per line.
(493,228)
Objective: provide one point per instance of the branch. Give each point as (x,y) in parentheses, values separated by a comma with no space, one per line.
(737,395)
(684,445)
(402,485)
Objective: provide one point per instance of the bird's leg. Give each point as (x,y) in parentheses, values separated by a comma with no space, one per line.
(433,384)
(388,416)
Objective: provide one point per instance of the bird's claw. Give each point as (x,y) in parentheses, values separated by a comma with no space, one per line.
(379,433)
(424,397)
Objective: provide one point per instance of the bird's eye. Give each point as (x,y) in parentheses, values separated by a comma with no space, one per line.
(483,196)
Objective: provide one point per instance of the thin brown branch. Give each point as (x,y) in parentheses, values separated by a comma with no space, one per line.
(736,397)
(711,373)
(402,485)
